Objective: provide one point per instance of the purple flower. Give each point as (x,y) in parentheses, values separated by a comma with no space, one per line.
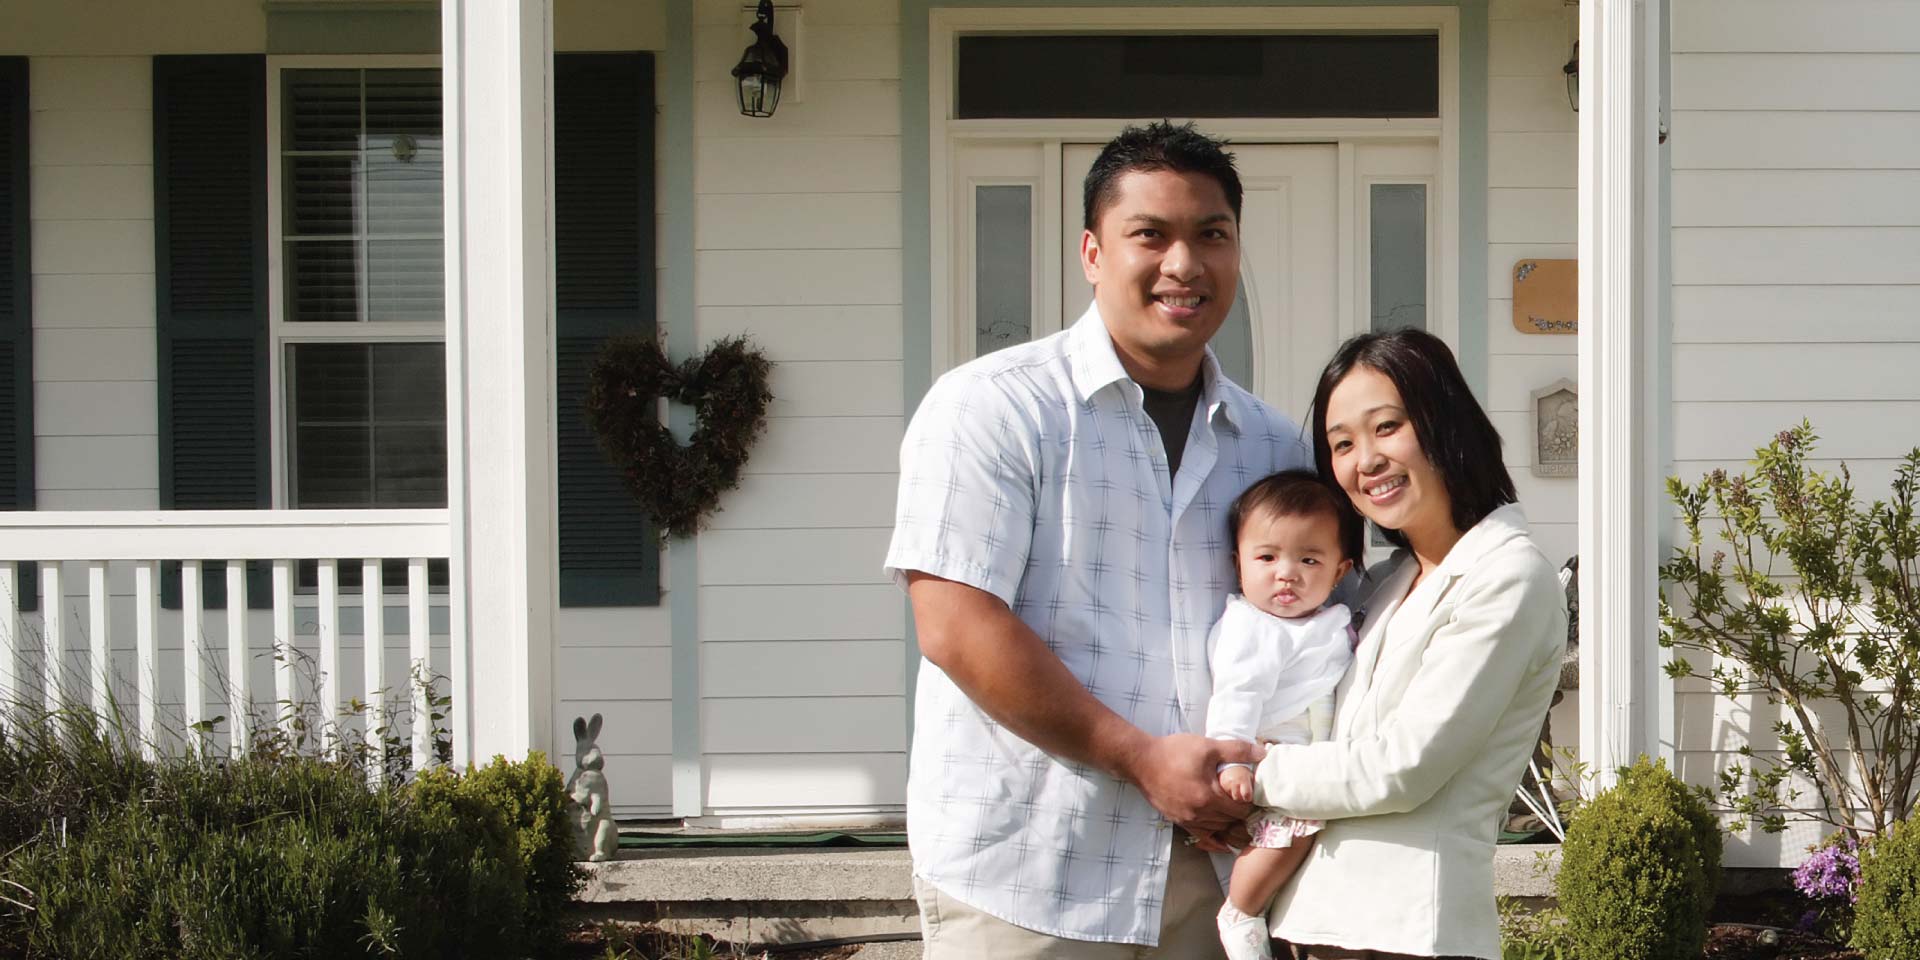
(1832,872)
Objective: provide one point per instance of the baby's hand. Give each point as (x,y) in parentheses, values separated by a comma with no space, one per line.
(1237,782)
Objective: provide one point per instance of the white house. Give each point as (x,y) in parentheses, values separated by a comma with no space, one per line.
(308,282)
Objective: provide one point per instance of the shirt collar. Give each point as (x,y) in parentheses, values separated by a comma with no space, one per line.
(1495,529)
(1095,366)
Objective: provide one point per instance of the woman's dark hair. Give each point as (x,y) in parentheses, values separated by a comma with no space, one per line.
(1299,493)
(1454,433)
(1157,146)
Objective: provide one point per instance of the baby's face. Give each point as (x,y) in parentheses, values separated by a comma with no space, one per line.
(1289,565)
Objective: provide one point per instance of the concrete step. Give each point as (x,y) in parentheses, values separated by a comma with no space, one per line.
(785,896)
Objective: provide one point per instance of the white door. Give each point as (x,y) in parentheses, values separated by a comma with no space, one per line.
(1286,321)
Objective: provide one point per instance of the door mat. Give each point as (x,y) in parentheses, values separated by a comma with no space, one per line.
(636,839)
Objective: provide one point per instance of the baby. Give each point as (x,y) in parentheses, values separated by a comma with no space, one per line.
(1277,652)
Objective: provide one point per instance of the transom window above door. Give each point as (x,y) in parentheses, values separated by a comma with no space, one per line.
(1207,75)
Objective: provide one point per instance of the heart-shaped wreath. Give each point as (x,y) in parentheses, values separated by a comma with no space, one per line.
(727,387)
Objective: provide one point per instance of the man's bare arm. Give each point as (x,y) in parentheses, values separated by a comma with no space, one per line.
(1007,670)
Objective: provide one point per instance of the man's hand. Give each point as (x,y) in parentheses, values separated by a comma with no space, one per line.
(1237,783)
(1177,775)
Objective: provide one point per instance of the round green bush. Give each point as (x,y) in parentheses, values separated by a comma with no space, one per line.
(1639,870)
(1886,918)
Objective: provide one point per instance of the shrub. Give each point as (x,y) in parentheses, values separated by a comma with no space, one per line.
(1841,630)
(523,809)
(1886,917)
(1639,870)
(281,855)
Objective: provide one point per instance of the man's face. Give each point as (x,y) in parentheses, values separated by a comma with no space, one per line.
(1164,261)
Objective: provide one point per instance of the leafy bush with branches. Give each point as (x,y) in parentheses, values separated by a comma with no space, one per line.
(1806,598)
(1639,870)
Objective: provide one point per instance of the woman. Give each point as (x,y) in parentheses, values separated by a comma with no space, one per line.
(1457,660)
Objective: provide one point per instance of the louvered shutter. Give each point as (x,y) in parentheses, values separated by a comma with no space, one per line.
(16,312)
(210,232)
(604,286)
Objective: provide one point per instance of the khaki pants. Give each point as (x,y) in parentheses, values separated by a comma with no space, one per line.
(951,930)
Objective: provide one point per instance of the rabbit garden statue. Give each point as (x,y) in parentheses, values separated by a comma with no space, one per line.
(593,813)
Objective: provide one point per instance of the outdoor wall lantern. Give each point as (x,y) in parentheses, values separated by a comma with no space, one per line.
(1572,70)
(762,66)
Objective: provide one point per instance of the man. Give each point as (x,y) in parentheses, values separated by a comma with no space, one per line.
(1061,533)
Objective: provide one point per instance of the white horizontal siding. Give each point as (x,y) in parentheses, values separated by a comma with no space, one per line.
(803,725)
(840,332)
(830,165)
(96,411)
(798,219)
(1796,198)
(873,611)
(1797,81)
(1796,264)
(1796,255)
(1794,140)
(1777,26)
(1784,313)
(781,668)
(1532,211)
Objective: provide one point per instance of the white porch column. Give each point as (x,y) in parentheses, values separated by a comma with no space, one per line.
(1621,492)
(497,69)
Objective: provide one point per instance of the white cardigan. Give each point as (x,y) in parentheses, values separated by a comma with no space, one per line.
(1429,741)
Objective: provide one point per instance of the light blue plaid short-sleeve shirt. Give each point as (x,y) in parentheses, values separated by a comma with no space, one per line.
(1035,474)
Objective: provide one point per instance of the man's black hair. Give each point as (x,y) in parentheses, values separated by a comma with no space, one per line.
(1299,493)
(1454,432)
(1158,146)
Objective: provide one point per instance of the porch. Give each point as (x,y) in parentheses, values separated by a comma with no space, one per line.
(768,673)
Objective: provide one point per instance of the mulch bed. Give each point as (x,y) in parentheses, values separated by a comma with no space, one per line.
(1766,926)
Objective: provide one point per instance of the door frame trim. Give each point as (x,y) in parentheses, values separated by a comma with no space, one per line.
(944,133)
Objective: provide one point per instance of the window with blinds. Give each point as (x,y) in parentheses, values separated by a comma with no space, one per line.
(362,286)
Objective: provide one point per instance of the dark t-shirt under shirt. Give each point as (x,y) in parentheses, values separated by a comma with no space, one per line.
(1172,412)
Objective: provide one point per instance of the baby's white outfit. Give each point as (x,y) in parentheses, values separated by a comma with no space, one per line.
(1273,680)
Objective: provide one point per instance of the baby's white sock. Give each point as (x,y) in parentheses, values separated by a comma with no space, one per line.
(1245,937)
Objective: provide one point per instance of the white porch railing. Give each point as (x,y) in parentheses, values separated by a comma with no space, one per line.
(284,538)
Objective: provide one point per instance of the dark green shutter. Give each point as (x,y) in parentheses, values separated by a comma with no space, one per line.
(210,253)
(16,309)
(604,286)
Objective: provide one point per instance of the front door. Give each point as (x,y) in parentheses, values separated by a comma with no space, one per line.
(1286,320)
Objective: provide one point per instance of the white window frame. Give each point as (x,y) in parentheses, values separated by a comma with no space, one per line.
(283,333)
(951,267)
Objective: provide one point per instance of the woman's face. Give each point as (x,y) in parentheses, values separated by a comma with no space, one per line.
(1377,458)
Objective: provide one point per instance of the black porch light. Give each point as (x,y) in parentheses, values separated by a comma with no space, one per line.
(1572,70)
(762,66)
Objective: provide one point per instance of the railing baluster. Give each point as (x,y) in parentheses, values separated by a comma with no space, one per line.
(373,636)
(330,652)
(420,662)
(101,643)
(283,648)
(52,629)
(10,685)
(239,685)
(193,649)
(146,612)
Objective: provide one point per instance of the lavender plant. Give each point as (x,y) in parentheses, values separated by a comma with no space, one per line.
(1808,600)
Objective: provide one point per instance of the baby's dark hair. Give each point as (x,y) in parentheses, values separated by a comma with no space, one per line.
(1298,493)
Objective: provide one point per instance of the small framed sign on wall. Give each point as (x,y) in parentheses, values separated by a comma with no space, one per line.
(1546,296)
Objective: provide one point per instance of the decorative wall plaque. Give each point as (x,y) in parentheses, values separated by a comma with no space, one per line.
(1546,296)
(1556,430)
